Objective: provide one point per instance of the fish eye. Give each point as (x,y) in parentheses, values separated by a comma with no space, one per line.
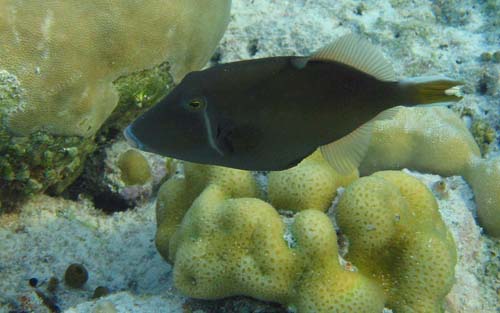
(196,104)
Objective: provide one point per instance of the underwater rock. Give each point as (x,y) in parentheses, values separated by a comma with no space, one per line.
(59,84)
(486,56)
(100,291)
(76,275)
(52,284)
(496,57)
(221,244)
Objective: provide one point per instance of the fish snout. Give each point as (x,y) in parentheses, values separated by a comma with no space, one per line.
(131,138)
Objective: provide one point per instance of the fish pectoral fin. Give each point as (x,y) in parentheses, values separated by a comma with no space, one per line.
(346,154)
(356,52)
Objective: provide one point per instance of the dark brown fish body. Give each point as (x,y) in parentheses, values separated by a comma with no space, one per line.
(264,114)
(290,110)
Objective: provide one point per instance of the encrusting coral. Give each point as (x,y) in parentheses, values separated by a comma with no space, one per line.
(68,67)
(224,241)
(436,140)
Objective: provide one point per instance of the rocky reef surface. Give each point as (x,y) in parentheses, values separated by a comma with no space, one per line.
(455,38)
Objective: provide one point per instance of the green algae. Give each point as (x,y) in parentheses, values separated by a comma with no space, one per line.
(138,92)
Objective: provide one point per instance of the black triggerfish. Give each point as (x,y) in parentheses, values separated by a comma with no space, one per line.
(270,113)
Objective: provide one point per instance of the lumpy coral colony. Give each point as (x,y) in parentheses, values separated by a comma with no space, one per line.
(437,141)
(65,72)
(224,241)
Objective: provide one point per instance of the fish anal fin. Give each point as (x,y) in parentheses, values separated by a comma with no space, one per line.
(387,114)
(358,53)
(346,154)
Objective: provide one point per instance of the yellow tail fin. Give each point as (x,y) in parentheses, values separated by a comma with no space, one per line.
(434,90)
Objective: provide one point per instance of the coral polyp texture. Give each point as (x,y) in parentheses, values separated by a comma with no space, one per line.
(223,240)
(178,193)
(397,237)
(436,140)
(307,186)
(66,55)
(69,69)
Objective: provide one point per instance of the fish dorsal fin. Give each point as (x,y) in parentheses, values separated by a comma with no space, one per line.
(345,154)
(356,52)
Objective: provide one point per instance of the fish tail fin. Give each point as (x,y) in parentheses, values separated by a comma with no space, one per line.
(434,89)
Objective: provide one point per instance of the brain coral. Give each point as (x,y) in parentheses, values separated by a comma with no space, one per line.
(435,140)
(224,241)
(66,54)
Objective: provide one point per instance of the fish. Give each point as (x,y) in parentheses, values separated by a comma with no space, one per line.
(268,114)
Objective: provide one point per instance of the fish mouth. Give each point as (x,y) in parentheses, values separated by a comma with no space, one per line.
(132,139)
